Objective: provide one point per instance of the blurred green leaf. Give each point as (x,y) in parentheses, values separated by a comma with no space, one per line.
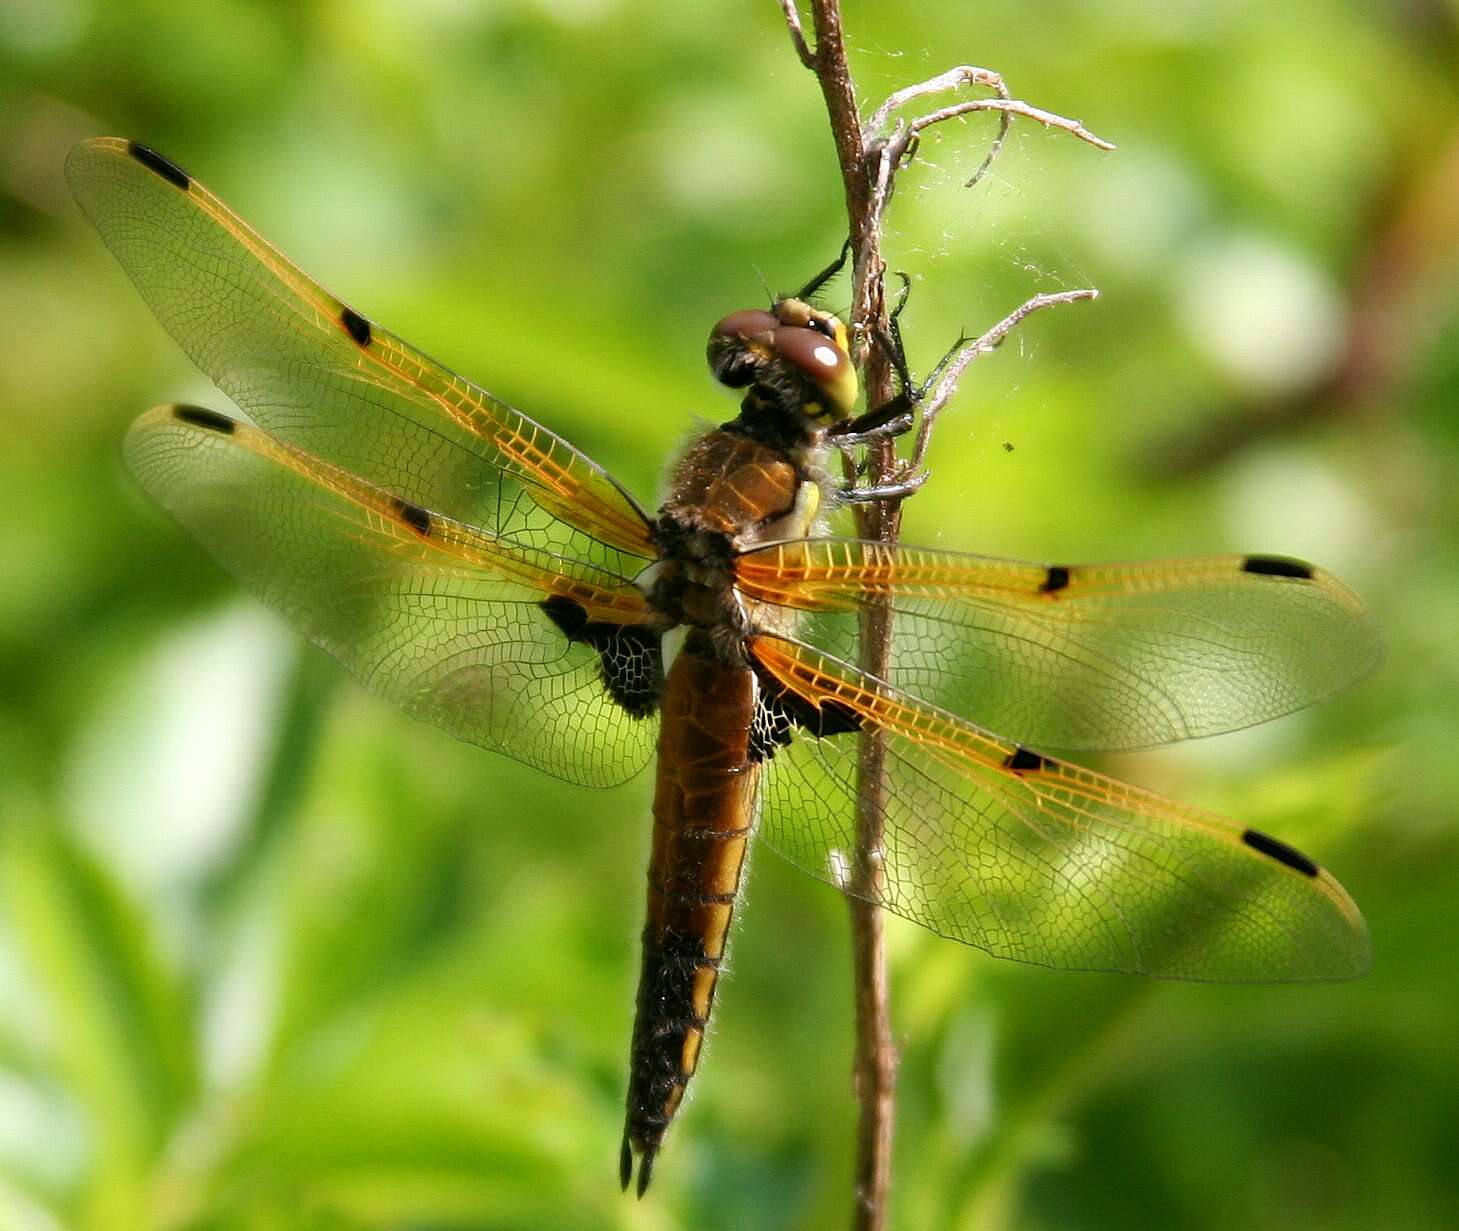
(123,1031)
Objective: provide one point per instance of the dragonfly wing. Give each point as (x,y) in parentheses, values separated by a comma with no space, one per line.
(1110,656)
(1031,858)
(311,371)
(550,660)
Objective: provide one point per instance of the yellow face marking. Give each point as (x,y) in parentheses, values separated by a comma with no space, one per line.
(827,364)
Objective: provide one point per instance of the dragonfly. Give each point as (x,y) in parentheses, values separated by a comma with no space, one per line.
(473,567)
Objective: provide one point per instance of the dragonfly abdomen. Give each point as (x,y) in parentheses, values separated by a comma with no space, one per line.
(703,816)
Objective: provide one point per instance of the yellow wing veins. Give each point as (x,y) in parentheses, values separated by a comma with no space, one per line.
(413,532)
(1059,792)
(560,488)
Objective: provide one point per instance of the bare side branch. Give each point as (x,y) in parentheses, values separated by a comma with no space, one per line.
(947,383)
(970,75)
(954,79)
(797,35)
(1010,106)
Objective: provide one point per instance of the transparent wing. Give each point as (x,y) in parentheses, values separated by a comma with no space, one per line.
(439,617)
(312,371)
(1111,656)
(1036,860)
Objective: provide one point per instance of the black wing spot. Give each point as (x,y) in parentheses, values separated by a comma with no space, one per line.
(630,656)
(1026,759)
(1277,566)
(1056,580)
(415,517)
(1287,856)
(155,163)
(201,416)
(780,711)
(355,325)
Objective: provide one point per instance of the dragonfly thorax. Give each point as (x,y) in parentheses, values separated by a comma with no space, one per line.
(730,491)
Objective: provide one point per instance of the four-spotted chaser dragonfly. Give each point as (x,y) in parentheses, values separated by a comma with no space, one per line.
(468,564)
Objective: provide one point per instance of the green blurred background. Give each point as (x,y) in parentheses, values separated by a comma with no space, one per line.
(272,956)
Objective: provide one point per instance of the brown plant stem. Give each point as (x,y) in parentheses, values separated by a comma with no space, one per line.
(874,1067)
(869,161)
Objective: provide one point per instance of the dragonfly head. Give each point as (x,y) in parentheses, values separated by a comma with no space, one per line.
(794,359)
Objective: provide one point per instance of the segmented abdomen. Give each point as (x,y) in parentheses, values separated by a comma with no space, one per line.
(703,813)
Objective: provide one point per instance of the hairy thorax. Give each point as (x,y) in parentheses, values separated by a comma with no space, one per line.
(729,492)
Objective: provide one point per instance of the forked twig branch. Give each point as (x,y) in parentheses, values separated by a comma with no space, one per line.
(870,159)
(1011,106)
(903,140)
(952,374)
(797,35)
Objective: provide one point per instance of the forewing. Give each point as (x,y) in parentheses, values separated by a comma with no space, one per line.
(312,371)
(1111,656)
(436,616)
(1034,859)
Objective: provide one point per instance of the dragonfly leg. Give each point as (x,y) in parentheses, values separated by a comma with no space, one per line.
(890,340)
(831,270)
(898,489)
(893,418)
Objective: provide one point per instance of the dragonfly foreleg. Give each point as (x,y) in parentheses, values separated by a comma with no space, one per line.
(893,418)
(831,270)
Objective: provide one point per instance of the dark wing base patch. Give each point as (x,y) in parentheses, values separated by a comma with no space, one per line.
(631,655)
(780,711)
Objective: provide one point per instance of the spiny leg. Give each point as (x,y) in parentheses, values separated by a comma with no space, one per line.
(891,340)
(831,270)
(895,417)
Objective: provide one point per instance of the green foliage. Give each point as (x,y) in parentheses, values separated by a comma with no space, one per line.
(273,957)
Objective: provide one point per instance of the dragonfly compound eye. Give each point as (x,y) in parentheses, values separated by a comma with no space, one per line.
(823,361)
(744,324)
(731,357)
